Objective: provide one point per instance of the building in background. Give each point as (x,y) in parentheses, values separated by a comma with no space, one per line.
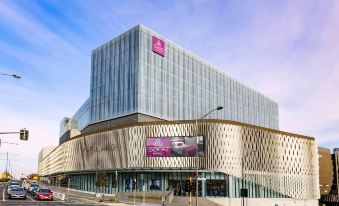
(335,158)
(326,168)
(328,176)
(139,126)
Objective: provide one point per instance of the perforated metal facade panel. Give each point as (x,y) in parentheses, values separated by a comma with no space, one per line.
(284,162)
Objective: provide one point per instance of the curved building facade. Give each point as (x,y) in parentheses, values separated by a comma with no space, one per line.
(275,164)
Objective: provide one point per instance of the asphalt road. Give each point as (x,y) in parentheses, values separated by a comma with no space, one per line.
(30,201)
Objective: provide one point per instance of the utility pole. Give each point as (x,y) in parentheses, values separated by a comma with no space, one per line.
(11,169)
(197,155)
(6,164)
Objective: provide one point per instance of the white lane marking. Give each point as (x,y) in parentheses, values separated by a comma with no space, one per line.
(3,194)
(30,198)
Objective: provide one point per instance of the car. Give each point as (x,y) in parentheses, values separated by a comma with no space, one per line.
(34,190)
(27,183)
(11,182)
(17,193)
(32,186)
(11,187)
(43,194)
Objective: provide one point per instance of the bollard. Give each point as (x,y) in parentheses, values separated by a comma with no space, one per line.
(163,201)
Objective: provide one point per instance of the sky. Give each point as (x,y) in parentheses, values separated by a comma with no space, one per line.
(288,50)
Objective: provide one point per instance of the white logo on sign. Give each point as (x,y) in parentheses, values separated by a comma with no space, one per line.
(158,43)
(158,143)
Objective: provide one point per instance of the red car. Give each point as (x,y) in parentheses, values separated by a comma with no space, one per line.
(43,194)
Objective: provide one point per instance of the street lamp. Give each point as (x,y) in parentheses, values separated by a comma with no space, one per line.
(243,191)
(13,75)
(196,152)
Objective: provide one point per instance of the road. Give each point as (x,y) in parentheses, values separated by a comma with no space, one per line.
(30,201)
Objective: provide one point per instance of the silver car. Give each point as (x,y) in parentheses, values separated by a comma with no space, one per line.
(17,193)
(11,187)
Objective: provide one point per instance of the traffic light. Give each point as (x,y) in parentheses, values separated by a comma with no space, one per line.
(187,186)
(243,193)
(24,134)
(192,187)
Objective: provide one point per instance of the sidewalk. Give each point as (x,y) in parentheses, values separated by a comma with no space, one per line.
(77,196)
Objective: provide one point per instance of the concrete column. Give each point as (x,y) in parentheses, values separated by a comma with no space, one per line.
(203,187)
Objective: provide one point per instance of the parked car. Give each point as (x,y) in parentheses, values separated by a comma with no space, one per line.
(32,186)
(43,194)
(17,192)
(11,187)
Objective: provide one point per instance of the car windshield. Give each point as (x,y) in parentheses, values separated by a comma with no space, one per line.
(14,183)
(34,185)
(45,190)
(17,189)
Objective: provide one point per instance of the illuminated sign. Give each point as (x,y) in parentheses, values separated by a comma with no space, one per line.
(174,146)
(158,46)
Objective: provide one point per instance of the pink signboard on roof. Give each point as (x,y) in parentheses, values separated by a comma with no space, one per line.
(158,46)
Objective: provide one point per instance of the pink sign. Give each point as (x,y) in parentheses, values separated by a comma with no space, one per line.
(158,147)
(158,46)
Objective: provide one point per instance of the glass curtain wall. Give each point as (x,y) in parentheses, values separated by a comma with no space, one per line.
(182,86)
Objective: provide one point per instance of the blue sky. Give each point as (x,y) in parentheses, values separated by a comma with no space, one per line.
(288,50)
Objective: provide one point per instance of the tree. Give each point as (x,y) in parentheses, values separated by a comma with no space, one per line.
(101,182)
(33,176)
(4,177)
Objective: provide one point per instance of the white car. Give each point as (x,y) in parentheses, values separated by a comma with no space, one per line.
(32,186)
(11,187)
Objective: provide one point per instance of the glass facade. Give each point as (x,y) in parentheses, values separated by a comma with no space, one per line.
(82,116)
(114,77)
(210,184)
(180,85)
(128,77)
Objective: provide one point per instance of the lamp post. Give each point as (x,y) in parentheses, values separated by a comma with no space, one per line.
(196,152)
(13,75)
(243,191)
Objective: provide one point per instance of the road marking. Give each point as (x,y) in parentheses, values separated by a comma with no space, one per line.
(3,194)
(30,198)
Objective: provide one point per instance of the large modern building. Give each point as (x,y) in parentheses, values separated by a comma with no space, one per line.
(328,176)
(326,171)
(143,125)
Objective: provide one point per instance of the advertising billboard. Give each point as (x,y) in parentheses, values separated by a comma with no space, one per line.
(174,146)
(158,46)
